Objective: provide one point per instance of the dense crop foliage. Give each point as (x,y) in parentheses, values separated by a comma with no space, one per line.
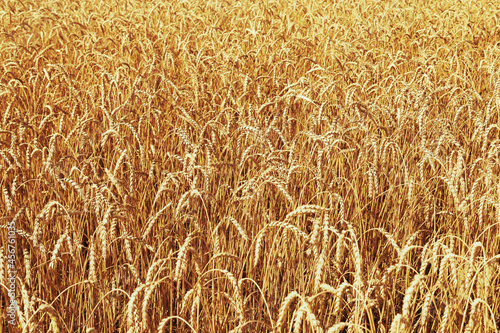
(255,166)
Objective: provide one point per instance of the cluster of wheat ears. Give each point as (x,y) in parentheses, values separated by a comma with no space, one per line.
(251,166)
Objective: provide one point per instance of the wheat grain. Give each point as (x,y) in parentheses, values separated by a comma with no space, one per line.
(299,316)
(195,307)
(339,251)
(27,267)
(152,220)
(92,263)
(8,200)
(55,252)
(445,319)
(311,317)
(119,161)
(321,262)
(407,302)
(216,241)
(181,264)
(338,327)
(473,316)
(112,228)
(305,209)
(339,295)
(391,239)
(358,280)
(475,248)
(313,239)
(132,311)
(285,305)
(27,304)
(131,179)
(54,319)
(426,307)
(128,250)
(152,268)
(236,294)
(239,228)
(397,324)
(145,302)
(262,233)
(326,287)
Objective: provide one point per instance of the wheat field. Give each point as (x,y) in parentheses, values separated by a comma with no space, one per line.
(250,166)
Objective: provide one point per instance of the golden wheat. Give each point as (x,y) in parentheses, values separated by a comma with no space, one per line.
(343,157)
